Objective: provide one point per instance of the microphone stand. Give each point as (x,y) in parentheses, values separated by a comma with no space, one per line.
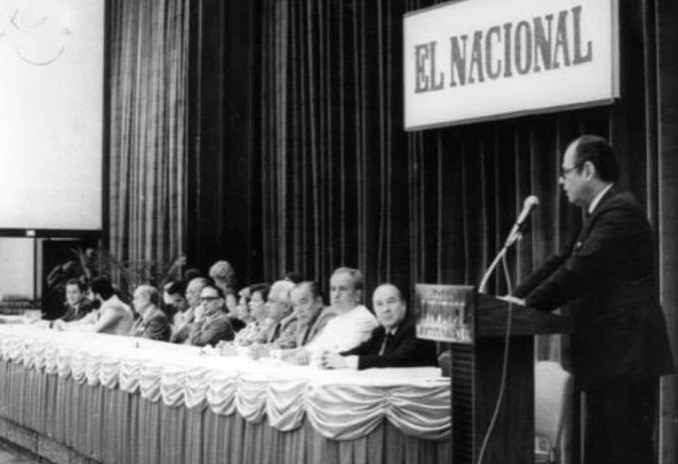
(512,238)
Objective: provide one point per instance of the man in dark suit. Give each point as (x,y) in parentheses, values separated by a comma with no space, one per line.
(393,344)
(605,278)
(77,304)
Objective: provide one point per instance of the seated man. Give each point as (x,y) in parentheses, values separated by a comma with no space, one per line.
(282,321)
(153,323)
(176,295)
(214,325)
(312,316)
(184,319)
(353,323)
(77,304)
(113,317)
(393,344)
(257,320)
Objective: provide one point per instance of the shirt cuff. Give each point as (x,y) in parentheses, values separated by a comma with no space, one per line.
(351,362)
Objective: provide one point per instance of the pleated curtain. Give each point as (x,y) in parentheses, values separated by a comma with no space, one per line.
(147,149)
(300,161)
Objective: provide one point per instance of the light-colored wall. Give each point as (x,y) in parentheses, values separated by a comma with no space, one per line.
(16,266)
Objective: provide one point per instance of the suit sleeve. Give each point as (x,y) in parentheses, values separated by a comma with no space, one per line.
(609,240)
(544,272)
(411,352)
(208,333)
(157,329)
(371,345)
(109,318)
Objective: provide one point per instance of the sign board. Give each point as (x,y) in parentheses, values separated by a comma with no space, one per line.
(444,312)
(474,60)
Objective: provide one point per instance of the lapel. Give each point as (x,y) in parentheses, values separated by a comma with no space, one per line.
(401,331)
(590,219)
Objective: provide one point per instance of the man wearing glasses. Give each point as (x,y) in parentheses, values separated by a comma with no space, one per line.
(214,326)
(605,279)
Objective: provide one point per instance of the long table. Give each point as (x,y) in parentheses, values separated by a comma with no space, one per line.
(101,398)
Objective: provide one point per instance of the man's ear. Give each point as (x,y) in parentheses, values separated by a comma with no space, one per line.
(589,170)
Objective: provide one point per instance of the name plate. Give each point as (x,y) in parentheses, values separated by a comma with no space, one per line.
(445,312)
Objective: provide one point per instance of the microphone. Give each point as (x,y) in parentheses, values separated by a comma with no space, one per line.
(516,234)
(529,204)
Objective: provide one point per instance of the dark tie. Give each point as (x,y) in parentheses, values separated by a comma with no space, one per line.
(304,338)
(275,334)
(387,344)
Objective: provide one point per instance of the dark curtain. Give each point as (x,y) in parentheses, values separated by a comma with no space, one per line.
(301,162)
(270,133)
(309,141)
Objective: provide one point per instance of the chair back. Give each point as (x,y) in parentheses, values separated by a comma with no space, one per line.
(553,400)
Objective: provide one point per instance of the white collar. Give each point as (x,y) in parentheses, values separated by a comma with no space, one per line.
(598,197)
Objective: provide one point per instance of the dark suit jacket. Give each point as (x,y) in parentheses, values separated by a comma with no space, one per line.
(605,279)
(156,327)
(83,308)
(405,350)
(211,329)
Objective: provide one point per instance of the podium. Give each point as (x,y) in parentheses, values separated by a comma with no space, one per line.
(476,326)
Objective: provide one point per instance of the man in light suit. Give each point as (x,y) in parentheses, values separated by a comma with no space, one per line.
(152,322)
(312,316)
(393,344)
(605,278)
(214,325)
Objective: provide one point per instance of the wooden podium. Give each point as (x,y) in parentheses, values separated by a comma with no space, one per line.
(476,326)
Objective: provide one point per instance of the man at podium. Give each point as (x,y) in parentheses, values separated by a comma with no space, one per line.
(605,278)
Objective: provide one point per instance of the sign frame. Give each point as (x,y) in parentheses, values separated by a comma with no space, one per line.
(614,83)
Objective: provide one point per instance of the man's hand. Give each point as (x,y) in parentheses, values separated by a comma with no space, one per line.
(512,300)
(330,360)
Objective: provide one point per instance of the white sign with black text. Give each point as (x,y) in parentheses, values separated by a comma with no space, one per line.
(473,60)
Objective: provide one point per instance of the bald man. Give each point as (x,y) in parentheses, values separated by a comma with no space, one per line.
(393,344)
(153,322)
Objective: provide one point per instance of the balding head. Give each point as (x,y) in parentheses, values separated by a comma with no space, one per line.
(346,289)
(145,296)
(278,303)
(389,306)
(193,290)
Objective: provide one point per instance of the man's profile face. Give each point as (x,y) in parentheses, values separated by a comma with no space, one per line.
(193,290)
(211,299)
(389,306)
(276,306)
(257,305)
(179,301)
(343,295)
(305,306)
(572,179)
(140,301)
(73,294)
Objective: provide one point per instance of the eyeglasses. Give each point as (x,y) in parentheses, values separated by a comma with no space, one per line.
(209,298)
(565,172)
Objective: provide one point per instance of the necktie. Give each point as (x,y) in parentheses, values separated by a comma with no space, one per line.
(387,343)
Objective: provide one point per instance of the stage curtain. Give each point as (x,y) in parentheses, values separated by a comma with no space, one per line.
(147,50)
(664,113)
(334,180)
(303,163)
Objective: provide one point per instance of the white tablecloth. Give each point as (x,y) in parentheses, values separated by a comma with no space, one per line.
(340,404)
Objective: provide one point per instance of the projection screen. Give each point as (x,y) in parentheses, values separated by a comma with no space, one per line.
(51,116)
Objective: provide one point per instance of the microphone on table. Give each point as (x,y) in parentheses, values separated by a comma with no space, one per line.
(516,234)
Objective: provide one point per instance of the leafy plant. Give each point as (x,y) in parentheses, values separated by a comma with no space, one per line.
(90,263)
